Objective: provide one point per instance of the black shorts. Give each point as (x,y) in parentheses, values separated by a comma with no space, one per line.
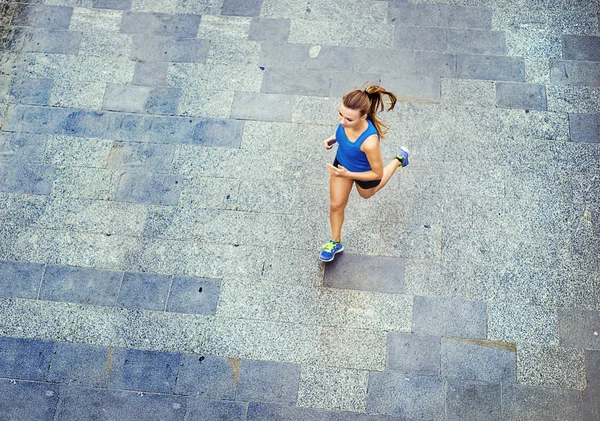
(363,184)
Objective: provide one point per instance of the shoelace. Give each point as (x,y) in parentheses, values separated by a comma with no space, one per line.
(328,247)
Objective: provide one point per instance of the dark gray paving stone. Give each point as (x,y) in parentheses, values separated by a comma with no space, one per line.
(19,177)
(129,127)
(32,119)
(352,416)
(269,29)
(143,187)
(342,82)
(521,95)
(413,354)
(470,400)
(194,295)
(394,393)
(529,403)
(150,73)
(477,362)
(584,127)
(30,91)
(112,4)
(165,129)
(79,364)
(269,412)
(20,279)
(80,285)
(591,395)
(144,291)
(23,147)
(223,133)
(41,16)
(86,123)
(146,371)
(150,156)
(365,273)
(268,381)
(426,15)
(206,376)
(163,100)
(413,88)
(332,57)
(452,317)
(418,38)
(579,328)
(204,409)
(265,107)
(24,359)
(435,64)
(28,400)
(577,47)
(149,48)
(162,24)
(398,60)
(241,7)
(94,404)
(575,73)
(490,67)
(476,41)
(51,42)
(467,17)
(277,54)
(296,82)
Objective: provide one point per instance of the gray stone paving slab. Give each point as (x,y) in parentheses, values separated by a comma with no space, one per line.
(28,400)
(241,8)
(413,88)
(439,316)
(469,92)
(342,82)
(528,403)
(579,328)
(269,29)
(268,412)
(194,295)
(151,48)
(590,402)
(296,82)
(95,20)
(269,382)
(79,364)
(24,359)
(88,404)
(419,38)
(26,178)
(467,17)
(150,73)
(30,91)
(144,291)
(144,187)
(521,95)
(490,67)
(581,48)
(112,4)
(41,16)
(20,279)
(366,273)
(266,107)
(584,127)
(426,15)
(475,41)
(430,63)
(399,60)
(170,25)
(472,400)
(203,409)
(206,376)
(22,147)
(567,72)
(551,366)
(413,354)
(146,371)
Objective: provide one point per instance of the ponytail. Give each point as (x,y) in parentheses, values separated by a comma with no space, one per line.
(370,101)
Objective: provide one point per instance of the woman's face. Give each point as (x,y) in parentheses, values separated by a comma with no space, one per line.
(350,118)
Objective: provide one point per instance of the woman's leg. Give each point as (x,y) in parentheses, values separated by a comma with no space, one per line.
(339,191)
(388,171)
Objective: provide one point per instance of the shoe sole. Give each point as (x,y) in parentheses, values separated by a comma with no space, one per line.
(407,153)
(332,257)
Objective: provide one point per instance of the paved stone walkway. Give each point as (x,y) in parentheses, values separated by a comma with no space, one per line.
(163,197)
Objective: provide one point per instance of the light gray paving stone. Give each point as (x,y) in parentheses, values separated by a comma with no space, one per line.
(105,45)
(161,24)
(579,73)
(296,82)
(92,21)
(420,38)
(247,8)
(86,95)
(536,403)
(579,328)
(413,88)
(425,15)
(480,93)
(201,103)
(150,73)
(537,70)
(351,348)
(263,106)
(413,354)
(522,324)
(215,77)
(573,22)
(517,18)
(521,95)
(370,35)
(240,52)
(77,151)
(134,155)
(434,278)
(374,12)
(573,99)
(308,109)
(477,360)
(333,388)
(209,193)
(269,29)
(224,27)
(330,57)
(90,183)
(161,48)
(276,54)
(438,316)
(525,43)
(399,60)
(551,366)
(472,399)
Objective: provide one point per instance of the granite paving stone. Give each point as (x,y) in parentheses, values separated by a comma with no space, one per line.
(241,8)
(79,364)
(112,4)
(24,359)
(268,382)
(153,48)
(144,187)
(269,29)
(77,95)
(194,295)
(580,73)
(28,400)
(96,20)
(590,402)
(32,91)
(50,41)
(41,16)
(263,106)
(551,366)
(579,328)
(430,63)
(467,17)
(26,178)
(162,24)
(144,291)
(475,41)
(231,28)
(209,377)
(490,67)
(581,48)
(20,279)
(419,38)
(424,15)
(439,316)
(519,323)
(472,400)
(200,409)
(536,403)
(146,371)
(520,95)
(150,73)
(413,354)
(268,412)
(149,156)
(413,88)
(296,82)
(584,127)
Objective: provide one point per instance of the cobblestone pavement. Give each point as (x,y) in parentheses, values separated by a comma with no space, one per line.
(163,198)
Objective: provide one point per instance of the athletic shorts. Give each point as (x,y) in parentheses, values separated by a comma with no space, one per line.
(364,184)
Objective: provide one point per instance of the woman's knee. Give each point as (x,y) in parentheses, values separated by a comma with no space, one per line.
(366,194)
(337,206)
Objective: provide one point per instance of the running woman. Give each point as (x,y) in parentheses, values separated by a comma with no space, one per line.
(358,159)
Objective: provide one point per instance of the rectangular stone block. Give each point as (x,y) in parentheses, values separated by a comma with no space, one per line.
(24,359)
(584,127)
(208,376)
(161,129)
(480,93)
(128,127)
(537,403)
(41,16)
(394,393)
(581,48)
(144,187)
(365,273)
(31,119)
(144,291)
(268,381)
(413,354)
(276,54)
(216,410)
(435,64)
(20,279)
(148,156)
(163,100)
(146,371)
(420,38)
(82,403)
(519,323)
(475,41)
(342,82)
(32,91)
(76,151)
(399,60)
(51,42)
(90,183)
(86,123)
(126,98)
(490,67)
(268,412)
(162,24)
(269,29)
(451,317)
(28,400)
(22,147)
(86,95)
(18,177)
(266,107)
(96,20)
(591,396)
(80,285)
(330,57)
(105,44)
(578,73)
(112,4)
(413,88)
(521,95)
(79,364)
(296,82)
(151,48)
(467,17)
(150,73)
(423,15)
(225,133)
(467,399)
(579,328)
(194,295)
(551,366)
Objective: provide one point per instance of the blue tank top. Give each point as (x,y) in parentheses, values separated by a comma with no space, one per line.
(349,154)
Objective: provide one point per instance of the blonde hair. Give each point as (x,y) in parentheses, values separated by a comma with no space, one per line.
(370,101)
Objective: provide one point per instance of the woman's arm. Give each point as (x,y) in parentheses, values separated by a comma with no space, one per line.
(371,148)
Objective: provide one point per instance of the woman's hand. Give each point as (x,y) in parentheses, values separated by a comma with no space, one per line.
(338,172)
(329,142)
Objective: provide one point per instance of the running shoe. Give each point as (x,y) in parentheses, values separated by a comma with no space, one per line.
(402,157)
(330,249)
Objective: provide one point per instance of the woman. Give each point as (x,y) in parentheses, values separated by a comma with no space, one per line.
(358,159)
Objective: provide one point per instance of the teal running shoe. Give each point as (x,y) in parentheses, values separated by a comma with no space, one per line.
(402,157)
(330,249)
